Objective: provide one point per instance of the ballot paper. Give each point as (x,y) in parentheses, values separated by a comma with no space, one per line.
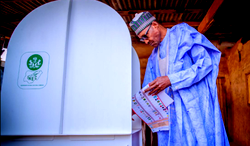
(153,110)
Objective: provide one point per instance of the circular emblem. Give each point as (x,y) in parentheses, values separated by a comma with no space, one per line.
(35,62)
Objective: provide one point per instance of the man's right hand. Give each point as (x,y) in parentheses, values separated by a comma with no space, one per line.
(157,85)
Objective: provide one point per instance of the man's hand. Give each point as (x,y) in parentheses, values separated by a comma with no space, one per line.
(157,85)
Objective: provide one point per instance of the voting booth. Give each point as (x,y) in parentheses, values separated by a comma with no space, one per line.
(69,77)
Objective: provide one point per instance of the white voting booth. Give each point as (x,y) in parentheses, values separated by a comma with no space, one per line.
(69,77)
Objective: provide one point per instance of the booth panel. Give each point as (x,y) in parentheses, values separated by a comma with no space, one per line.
(33,78)
(98,80)
(112,140)
(136,74)
(136,86)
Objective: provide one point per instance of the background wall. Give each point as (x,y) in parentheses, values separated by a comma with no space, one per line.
(238,63)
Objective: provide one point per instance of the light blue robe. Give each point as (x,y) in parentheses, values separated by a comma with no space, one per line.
(195,117)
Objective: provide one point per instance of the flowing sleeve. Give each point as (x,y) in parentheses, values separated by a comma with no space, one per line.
(148,77)
(195,45)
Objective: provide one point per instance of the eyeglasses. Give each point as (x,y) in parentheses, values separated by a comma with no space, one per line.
(144,37)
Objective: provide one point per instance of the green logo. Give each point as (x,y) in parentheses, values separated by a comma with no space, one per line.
(35,62)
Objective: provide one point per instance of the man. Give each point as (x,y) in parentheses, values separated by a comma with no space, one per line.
(184,64)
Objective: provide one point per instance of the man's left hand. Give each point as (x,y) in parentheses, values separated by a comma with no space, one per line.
(157,85)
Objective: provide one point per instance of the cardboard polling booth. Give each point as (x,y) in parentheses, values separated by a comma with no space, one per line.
(69,77)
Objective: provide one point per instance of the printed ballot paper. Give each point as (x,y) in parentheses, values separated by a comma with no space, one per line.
(153,110)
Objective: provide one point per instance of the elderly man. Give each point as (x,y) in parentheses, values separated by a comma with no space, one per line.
(184,64)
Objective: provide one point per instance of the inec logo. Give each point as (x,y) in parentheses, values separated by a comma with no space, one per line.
(34,63)
(33,70)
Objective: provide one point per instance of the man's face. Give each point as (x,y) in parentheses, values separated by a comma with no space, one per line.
(151,35)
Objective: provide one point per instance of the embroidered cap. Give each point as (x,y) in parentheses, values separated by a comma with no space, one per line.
(141,21)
